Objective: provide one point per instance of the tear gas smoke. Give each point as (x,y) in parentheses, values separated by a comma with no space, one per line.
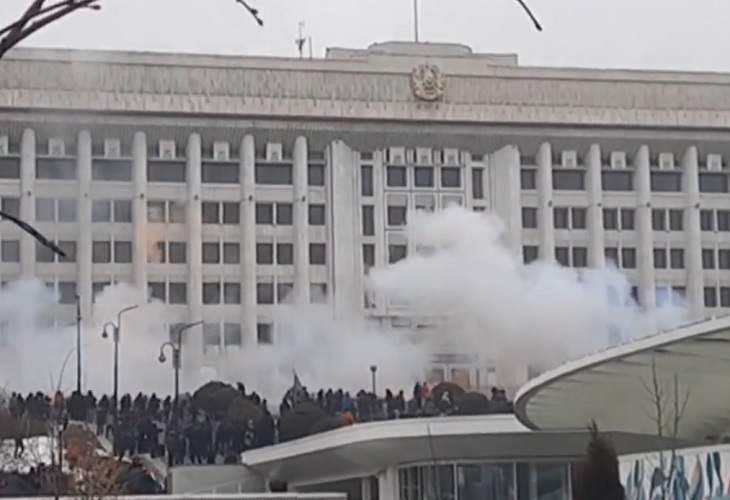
(539,314)
(495,307)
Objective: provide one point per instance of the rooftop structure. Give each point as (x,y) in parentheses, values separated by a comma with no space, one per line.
(642,385)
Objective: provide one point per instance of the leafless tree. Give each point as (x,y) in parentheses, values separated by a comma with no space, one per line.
(666,410)
(41,13)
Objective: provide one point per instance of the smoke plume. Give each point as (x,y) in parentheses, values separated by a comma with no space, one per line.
(480,297)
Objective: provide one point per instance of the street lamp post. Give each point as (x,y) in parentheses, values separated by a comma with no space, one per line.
(373,370)
(116,328)
(176,349)
(78,344)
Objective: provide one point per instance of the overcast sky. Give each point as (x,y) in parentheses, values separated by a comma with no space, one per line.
(664,34)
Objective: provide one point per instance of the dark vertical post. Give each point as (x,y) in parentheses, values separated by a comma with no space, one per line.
(78,344)
(116,371)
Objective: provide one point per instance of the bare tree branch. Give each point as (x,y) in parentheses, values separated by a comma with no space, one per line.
(251,10)
(529,13)
(38,15)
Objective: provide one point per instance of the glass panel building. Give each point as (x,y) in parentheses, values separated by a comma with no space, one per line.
(486,481)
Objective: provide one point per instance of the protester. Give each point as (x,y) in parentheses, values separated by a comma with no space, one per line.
(219,422)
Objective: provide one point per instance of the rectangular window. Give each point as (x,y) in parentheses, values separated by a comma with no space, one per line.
(265,214)
(284,214)
(660,258)
(676,220)
(450,177)
(366,180)
(477,183)
(285,254)
(610,219)
(397,253)
(708,258)
(628,258)
(396,215)
(273,175)
(560,217)
(423,177)
(368,220)
(396,176)
(628,219)
(316,175)
(317,254)
(264,254)
(530,253)
(529,217)
(220,173)
(578,218)
(316,215)
(658,219)
(264,333)
(528,179)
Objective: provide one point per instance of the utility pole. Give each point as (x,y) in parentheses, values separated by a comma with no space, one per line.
(415,21)
(301,40)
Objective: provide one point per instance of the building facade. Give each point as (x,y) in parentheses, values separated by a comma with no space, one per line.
(226,185)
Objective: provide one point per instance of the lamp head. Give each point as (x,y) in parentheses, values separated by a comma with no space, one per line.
(373,368)
(104,335)
(162,358)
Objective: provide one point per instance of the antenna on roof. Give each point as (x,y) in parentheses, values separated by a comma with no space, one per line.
(301,40)
(415,21)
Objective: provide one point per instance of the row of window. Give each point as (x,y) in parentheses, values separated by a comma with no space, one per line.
(625,258)
(422,178)
(167,171)
(716,296)
(213,293)
(624,219)
(167,252)
(120,211)
(268,293)
(624,181)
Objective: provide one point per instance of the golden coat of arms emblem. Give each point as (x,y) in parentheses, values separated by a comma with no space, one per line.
(428,83)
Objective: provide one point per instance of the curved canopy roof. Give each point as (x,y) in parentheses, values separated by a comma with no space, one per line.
(364,449)
(634,387)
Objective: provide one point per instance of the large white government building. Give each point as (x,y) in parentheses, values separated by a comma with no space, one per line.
(224,184)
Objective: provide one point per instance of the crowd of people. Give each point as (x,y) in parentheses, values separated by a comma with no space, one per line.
(219,421)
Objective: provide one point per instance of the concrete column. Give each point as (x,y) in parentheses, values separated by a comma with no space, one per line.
(693,234)
(84,243)
(504,169)
(366,490)
(139,212)
(27,201)
(645,250)
(301,222)
(248,239)
(545,202)
(347,266)
(388,483)
(596,254)
(194,229)
(379,209)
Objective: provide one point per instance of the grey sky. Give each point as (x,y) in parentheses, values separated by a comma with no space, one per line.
(669,34)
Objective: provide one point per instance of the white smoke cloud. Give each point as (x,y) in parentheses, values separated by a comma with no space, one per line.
(539,314)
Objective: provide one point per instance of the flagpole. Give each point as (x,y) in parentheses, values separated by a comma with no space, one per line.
(415,20)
